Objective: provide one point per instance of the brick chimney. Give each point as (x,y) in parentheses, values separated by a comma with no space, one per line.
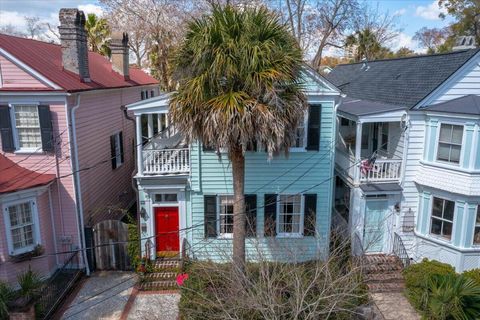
(73,39)
(120,54)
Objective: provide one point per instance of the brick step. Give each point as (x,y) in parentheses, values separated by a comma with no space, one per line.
(159,285)
(160,276)
(166,264)
(376,287)
(382,268)
(384,277)
(379,259)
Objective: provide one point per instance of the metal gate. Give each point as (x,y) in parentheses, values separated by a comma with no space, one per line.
(110,238)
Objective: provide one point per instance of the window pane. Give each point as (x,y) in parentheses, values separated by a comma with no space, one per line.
(171,197)
(226,214)
(449,210)
(290,213)
(443,152)
(455,153)
(28,126)
(447,230)
(457,134)
(437,207)
(476,236)
(436,227)
(445,133)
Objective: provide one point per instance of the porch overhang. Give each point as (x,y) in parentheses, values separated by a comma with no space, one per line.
(158,104)
(370,111)
(380,188)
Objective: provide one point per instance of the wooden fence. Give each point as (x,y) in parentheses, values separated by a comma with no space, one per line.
(110,238)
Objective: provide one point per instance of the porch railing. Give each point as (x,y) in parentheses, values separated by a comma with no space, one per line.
(166,161)
(400,251)
(382,170)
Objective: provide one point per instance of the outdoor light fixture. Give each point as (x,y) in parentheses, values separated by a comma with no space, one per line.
(143,214)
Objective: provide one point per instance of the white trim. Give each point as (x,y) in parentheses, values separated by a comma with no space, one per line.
(35,221)
(301,222)
(30,70)
(221,235)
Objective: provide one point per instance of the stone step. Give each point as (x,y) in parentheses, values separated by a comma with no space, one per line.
(159,285)
(155,276)
(376,287)
(384,277)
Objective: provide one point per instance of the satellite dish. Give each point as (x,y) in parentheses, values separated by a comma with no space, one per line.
(403,122)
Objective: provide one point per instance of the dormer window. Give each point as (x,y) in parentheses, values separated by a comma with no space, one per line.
(450,143)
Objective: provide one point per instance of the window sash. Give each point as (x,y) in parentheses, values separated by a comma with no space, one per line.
(21,226)
(450,143)
(27,126)
(445,229)
(290,214)
(301,133)
(225,215)
(476,230)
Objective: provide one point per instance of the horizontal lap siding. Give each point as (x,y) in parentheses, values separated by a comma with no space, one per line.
(300,172)
(15,77)
(105,191)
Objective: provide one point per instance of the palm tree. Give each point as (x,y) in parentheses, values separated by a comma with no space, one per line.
(239,84)
(365,43)
(98,32)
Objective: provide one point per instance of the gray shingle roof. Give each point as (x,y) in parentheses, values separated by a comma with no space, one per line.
(402,81)
(360,107)
(465,105)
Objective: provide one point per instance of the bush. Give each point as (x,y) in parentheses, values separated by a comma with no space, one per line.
(6,296)
(30,284)
(133,246)
(453,296)
(418,279)
(473,274)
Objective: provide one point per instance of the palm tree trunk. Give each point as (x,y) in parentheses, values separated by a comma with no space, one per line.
(238,169)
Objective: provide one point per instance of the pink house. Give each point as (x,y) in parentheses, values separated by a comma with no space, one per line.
(66,143)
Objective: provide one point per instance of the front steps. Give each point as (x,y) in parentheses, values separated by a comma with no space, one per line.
(383,273)
(164,276)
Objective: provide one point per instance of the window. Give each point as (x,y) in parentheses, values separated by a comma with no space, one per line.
(225,212)
(142,95)
(476,234)
(300,134)
(290,214)
(442,217)
(27,125)
(152,93)
(166,197)
(450,143)
(116,149)
(20,220)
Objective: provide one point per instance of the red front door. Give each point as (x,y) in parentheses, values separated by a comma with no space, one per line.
(166,229)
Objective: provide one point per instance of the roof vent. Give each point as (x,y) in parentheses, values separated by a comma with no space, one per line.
(365,65)
(465,42)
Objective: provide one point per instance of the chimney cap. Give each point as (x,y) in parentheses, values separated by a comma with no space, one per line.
(71,16)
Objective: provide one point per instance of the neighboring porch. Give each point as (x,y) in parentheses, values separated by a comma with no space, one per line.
(370,146)
(161,149)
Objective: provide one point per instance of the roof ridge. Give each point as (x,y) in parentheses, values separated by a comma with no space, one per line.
(411,57)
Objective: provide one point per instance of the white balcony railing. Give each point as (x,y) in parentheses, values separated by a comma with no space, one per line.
(383,170)
(166,161)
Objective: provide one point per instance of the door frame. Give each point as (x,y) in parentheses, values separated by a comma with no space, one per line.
(387,220)
(166,205)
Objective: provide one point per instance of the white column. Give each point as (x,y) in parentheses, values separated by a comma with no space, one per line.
(138,121)
(358,151)
(159,122)
(150,126)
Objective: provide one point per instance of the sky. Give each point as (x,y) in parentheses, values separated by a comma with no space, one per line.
(411,14)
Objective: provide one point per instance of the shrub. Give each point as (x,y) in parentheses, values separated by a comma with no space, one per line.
(6,296)
(473,274)
(133,246)
(453,296)
(418,277)
(30,283)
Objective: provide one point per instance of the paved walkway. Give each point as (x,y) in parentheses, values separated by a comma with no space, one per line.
(394,306)
(155,306)
(102,296)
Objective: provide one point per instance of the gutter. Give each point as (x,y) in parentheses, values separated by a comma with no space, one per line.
(78,190)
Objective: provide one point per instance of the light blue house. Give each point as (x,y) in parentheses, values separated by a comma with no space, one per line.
(189,188)
(419,118)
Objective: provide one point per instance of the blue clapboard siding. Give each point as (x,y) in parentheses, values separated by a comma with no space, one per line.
(212,175)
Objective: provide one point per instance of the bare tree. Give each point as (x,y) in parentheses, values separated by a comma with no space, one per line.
(34,26)
(318,24)
(11,30)
(431,38)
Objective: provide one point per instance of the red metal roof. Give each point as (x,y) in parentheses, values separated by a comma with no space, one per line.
(46,58)
(13,177)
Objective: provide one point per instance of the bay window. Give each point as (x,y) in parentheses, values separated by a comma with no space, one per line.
(443,212)
(450,143)
(476,234)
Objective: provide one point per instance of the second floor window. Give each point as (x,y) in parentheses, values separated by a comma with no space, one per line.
(27,125)
(476,234)
(443,212)
(450,143)
(300,134)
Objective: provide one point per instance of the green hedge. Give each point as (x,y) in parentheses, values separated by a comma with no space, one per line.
(473,274)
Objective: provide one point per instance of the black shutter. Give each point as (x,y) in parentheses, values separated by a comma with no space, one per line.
(251,214)
(310,214)
(121,146)
(6,132)
(46,127)
(146,94)
(112,152)
(313,131)
(210,216)
(152,94)
(142,95)
(270,208)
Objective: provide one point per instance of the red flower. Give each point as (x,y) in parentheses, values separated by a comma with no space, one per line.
(181,278)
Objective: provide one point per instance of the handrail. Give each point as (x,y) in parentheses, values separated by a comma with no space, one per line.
(399,250)
(164,161)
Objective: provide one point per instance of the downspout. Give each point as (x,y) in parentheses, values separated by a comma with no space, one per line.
(78,189)
(134,184)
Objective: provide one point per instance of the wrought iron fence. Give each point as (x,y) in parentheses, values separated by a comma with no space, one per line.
(400,251)
(56,288)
